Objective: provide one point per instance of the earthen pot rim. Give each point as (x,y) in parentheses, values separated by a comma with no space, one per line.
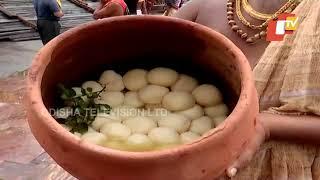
(37,106)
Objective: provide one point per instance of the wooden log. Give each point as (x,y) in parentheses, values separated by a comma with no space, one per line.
(7,13)
(27,23)
(14,15)
(82,5)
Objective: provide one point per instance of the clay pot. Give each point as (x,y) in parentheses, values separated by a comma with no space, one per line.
(122,43)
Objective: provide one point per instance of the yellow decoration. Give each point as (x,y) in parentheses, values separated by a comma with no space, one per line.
(59,3)
(291,23)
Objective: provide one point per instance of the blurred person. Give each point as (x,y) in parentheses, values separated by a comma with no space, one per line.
(135,6)
(132,6)
(48,16)
(172,6)
(110,8)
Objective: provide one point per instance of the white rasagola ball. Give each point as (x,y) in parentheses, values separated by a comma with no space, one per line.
(95,87)
(193,113)
(99,100)
(116,131)
(201,125)
(164,135)
(115,144)
(112,80)
(185,83)
(90,129)
(189,136)
(125,112)
(162,76)
(140,124)
(115,86)
(112,98)
(178,101)
(108,76)
(139,142)
(151,107)
(77,135)
(94,137)
(218,120)
(112,115)
(99,121)
(157,113)
(216,111)
(175,121)
(152,94)
(135,79)
(207,95)
(131,98)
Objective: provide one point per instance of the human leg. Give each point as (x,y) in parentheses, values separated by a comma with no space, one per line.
(48,30)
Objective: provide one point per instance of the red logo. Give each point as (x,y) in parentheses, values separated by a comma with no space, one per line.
(284,24)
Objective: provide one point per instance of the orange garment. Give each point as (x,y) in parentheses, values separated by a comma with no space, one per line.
(120,2)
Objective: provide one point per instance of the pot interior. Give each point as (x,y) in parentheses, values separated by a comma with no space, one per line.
(84,53)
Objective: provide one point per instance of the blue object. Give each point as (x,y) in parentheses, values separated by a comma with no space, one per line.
(45,9)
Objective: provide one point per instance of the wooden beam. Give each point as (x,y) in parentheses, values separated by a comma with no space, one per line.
(27,23)
(7,13)
(21,19)
(82,5)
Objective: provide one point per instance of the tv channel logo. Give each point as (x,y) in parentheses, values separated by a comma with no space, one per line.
(284,24)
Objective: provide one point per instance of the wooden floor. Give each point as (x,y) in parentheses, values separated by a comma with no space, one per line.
(11,28)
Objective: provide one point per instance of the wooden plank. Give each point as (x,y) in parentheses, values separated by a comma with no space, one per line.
(13,29)
(16,29)
(26,38)
(82,5)
(7,13)
(11,33)
(27,23)
(13,15)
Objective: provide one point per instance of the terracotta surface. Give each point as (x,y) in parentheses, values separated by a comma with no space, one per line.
(194,49)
